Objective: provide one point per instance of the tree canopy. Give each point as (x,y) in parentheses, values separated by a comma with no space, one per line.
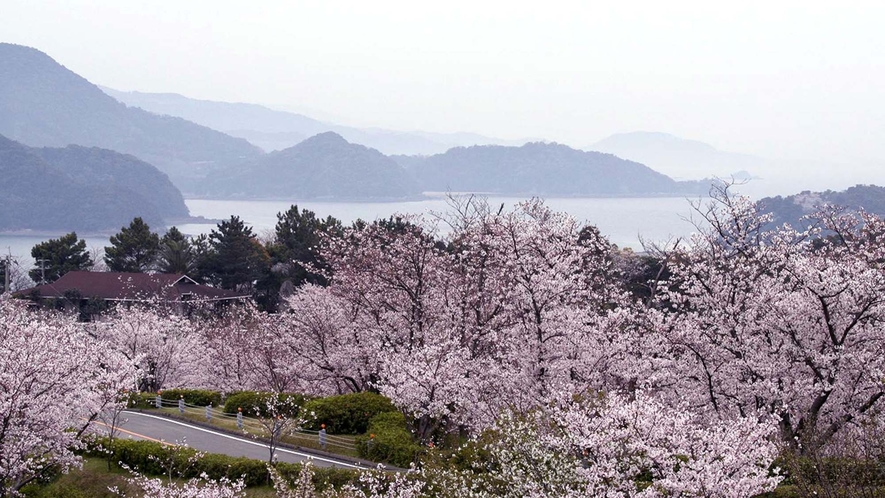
(237,258)
(176,254)
(55,257)
(134,249)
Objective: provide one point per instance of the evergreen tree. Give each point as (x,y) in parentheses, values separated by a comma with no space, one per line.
(297,238)
(237,259)
(296,241)
(176,254)
(203,258)
(59,256)
(134,249)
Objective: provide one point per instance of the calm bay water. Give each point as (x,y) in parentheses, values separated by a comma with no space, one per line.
(622,220)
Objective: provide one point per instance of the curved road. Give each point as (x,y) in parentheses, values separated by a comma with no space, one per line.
(144,426)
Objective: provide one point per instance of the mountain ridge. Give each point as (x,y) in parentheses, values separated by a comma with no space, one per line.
(538,168)
(83,189)
(325,166)
(274,129)
(791,208)
(49,105)
(44,104)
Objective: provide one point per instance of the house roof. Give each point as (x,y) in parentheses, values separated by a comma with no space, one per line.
(112,286)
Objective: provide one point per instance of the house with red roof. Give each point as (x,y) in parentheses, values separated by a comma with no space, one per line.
(103,289)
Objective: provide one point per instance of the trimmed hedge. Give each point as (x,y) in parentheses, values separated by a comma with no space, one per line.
(248,400)
(393,443)
(198,397)
(144,455)
(140,400)
(346,413)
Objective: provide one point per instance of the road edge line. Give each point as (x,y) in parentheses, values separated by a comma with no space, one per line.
(244,440)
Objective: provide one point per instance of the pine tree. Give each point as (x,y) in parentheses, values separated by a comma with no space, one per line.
(237,259)
(59,256)
(134,249)
(176,254)
(297,236)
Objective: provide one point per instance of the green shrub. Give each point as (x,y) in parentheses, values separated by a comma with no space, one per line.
(393,443)
(249,400)
(67,490)
(141,400)
(198,397)
(347,413)
(92,481)
(146,457)
(253,472)
(323,477)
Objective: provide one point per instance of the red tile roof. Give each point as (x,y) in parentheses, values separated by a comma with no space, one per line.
(112,286)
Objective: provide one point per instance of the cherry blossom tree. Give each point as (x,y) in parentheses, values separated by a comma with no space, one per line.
(453,331)
(228,336)
(392,280)
(166,345)
(198,487)
(276,417)
(773,320)
(253,350)
(616,446)
(328,352)
(523,305)
(55,379)
(549,282)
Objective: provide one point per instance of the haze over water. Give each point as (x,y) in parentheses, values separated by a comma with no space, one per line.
(622,220)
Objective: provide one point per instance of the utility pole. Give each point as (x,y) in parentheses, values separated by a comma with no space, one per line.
(6,274)
(42,263)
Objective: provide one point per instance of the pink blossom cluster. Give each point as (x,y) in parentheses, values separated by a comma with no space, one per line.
(758,320)
(55,378)
(755,338)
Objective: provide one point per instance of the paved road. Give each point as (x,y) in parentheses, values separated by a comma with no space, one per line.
(144,426)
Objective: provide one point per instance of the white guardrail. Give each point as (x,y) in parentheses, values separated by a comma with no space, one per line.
(250,425)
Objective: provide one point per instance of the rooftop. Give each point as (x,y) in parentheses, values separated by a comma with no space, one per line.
(111,286)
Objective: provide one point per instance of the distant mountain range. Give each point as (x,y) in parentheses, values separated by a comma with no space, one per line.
(43,104)
(79,188)
(324,166)
(677,157)
(273,129)
(327,166)
(790,209)
(540,169)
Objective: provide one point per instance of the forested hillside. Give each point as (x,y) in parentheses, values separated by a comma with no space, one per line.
(538,169)
(791,208)
(322,167)
(84,189)
(118,171)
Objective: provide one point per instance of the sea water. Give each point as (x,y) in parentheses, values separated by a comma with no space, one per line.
(625,221)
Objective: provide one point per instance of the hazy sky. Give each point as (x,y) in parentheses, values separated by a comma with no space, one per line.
(774,78)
